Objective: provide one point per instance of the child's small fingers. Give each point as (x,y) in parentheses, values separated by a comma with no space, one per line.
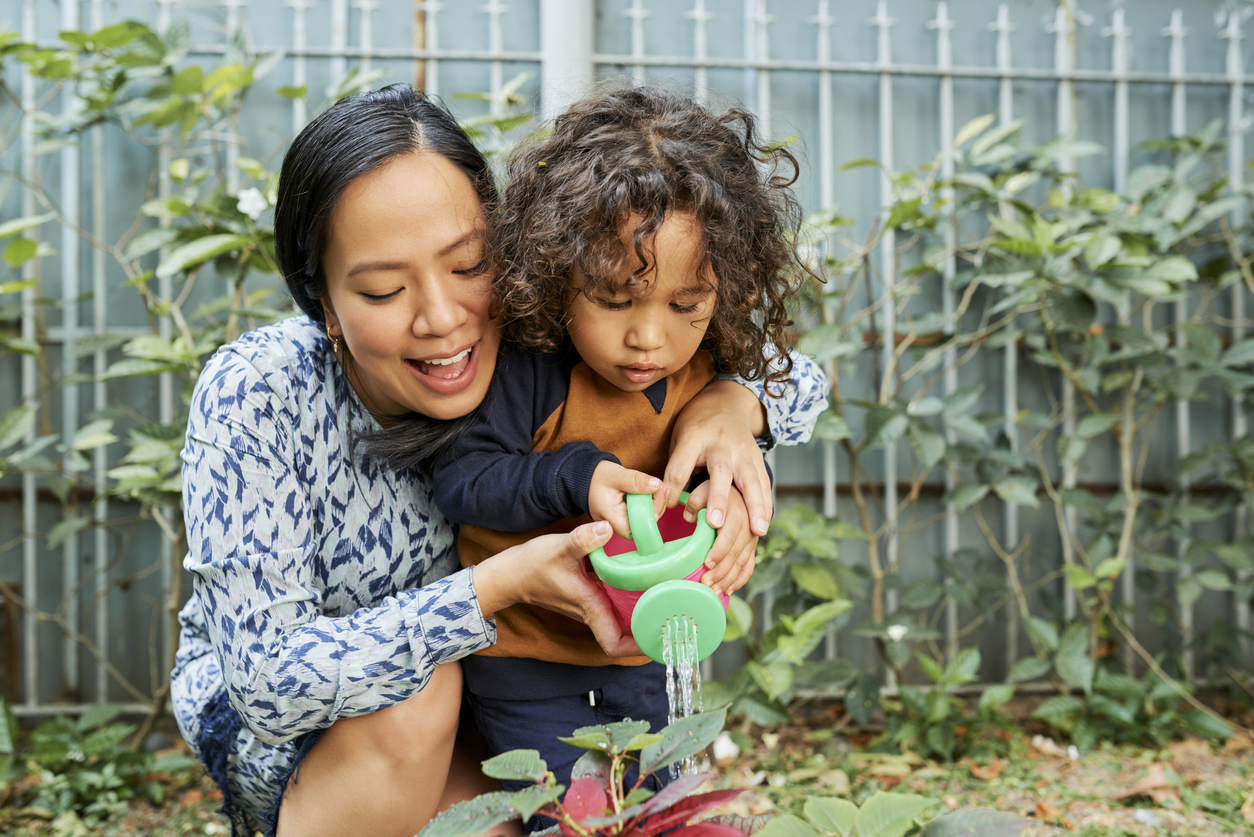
(618,519)
(745,574)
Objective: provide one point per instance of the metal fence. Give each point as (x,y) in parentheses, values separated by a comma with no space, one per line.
(838,84)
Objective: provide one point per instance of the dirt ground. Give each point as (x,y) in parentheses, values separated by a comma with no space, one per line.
(1190,787)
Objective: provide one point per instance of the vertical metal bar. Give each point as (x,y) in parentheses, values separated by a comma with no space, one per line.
(232,137)
(365,30)
(299,43)
(762,53)
(496,80)
(567,36)
(1010,354)
(823,22)
(750,47)
(70,211)
(700,50)
(165,384)
(1179,115)
(1118,33)
(1064,62)
(1236,181)
(30,382)
(888,280)
(100,324)
(637,13)
(339,40)
(949,267)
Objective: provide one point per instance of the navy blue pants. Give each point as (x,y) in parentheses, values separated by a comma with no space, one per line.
(638,694)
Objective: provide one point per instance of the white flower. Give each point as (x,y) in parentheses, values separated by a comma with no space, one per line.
(725,748)
(252,203)
(896,632)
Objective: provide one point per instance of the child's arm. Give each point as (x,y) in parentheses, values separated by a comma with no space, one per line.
(490,476)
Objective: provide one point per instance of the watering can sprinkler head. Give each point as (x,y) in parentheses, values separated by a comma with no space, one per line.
(657,581)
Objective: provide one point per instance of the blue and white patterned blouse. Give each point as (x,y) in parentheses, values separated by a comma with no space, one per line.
(325,584)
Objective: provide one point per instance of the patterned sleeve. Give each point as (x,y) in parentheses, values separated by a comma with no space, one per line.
(289,668)
(791,415)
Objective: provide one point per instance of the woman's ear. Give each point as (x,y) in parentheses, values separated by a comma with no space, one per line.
(332,321)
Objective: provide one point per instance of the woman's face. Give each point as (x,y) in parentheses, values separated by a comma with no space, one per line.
(408,289)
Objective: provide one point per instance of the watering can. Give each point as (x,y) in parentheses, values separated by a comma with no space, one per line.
(654,578)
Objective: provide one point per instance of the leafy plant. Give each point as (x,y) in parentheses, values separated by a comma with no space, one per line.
(598,801)
(82,766)
(936,723)
(890,814)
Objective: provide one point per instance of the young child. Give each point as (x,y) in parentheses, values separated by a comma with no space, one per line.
(642,249)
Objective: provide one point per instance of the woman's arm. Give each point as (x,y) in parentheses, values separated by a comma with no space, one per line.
(260,580)
(728,425)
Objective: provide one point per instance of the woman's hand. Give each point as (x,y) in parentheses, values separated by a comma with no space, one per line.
(717,430)
(548,571)
(731,560)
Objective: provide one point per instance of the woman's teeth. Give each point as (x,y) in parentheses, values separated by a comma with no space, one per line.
(445,367)
(447,361)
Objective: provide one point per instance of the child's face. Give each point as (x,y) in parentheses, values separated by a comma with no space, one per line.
(635,336)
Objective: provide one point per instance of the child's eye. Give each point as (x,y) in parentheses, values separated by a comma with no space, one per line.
(381,297)
(685,309)
(614,305)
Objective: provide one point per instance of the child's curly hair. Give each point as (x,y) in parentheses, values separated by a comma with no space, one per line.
(647,152)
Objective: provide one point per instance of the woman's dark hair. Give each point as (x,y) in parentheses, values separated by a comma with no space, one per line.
(645,152)
(355,136)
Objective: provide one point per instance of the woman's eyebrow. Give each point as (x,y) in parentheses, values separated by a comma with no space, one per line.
(366,267)
(472,235)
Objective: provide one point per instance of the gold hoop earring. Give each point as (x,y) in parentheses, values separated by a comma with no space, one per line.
(335,341)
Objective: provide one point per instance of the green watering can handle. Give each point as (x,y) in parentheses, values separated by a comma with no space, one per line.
(644,529)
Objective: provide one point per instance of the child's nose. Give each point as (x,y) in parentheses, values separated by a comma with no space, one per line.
(646,333)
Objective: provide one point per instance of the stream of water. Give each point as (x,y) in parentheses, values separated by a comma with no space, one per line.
(683,678)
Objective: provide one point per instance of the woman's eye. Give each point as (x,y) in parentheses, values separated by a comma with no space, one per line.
(476,270)
(381,297)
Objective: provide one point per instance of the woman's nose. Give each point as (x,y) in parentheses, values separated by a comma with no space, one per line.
(439,309)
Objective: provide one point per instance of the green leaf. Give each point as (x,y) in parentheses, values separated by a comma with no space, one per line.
(529,800)
(94,435)
(967,496)
(1044,633)
(832,814)
(606,737)
(15,424)
(1072,662)
(198,251)
(1102,249)
(1071,449)
(474,816)
(922,593)
(938,706)
(786,825)
(1109,568)
(773,678)
(19,251)
(890,814)
(1020,491)
(1213,579)
(1059,710)
(974,128)
(1095,425)
(1174,269)
(859,163)
(975,822)
(1207,725)
(995,696)
(66,528)
(516,765)
(18,225)
(686,737)
(134,366)
(146,241)
(884,425)
(1028,668)
(928,446)
(992,138)
(288,91)
(739,619)
(831,427)
(815,580)
(962,666)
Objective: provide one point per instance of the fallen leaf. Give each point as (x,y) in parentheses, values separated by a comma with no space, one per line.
(1047,746)
(216,794)
(989,771)
(1067,823)
(1238,744)
(836,781)
(889,782)
(1155,785)
(1247,810)
(1195,747)
(194,796)
(951,802)
(761,806)
(1045,811)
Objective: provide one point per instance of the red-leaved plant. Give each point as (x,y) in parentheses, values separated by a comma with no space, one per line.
(598,802)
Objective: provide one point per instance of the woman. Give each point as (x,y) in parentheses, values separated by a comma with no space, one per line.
(326,616)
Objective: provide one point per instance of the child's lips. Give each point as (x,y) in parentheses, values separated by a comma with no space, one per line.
(641,373)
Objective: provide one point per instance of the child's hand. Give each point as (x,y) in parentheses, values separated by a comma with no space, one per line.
(610,481)
(731,560)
